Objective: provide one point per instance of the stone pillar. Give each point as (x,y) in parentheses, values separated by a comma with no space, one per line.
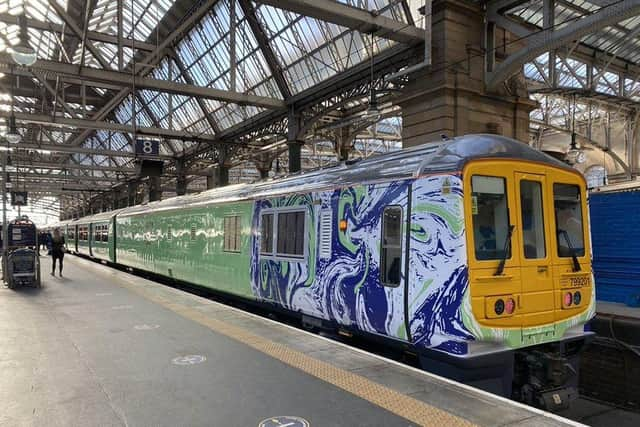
(342,140)
(181,180)
(155,192)
(452,100)
(263,163)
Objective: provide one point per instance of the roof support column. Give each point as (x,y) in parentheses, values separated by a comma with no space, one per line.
(295,141)
(132,193)
(181,180)
(155,192)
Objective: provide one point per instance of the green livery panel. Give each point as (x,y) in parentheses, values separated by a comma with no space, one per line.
(189,244)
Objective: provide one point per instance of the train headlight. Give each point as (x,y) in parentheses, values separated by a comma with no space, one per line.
(577,298)
(498,307)
(568,299)
(510,306)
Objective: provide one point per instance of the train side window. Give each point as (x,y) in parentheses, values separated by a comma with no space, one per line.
(490,212)
(266,234)
(290,240)
(193,232)
(391,251)
(532,219)
(169,233)
(569,225)
(231,234)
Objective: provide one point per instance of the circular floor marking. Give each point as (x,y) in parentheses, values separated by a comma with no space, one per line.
(145,327)
(191,359)
(284,421)
(121,307)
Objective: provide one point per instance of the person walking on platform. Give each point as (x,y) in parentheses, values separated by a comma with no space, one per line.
(57,250)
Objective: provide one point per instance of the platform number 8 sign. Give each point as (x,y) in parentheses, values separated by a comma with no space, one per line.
(145,147)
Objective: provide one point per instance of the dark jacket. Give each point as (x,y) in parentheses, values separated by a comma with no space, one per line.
(57,245)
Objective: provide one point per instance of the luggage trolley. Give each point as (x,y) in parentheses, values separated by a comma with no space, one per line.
(22,261)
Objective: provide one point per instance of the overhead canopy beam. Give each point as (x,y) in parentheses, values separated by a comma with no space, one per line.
(351,17)
(549,39)
(60,148)
(62,29)
(43,119)
(96,77)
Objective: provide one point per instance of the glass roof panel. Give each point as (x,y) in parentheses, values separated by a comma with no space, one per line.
(311,50)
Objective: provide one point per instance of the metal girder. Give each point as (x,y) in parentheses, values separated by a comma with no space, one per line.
(549,39)
(351,17)
(152,58)
(63,29)
(75,166)
(63,148)
(265,48)
(117,127)
(70,22)
(24,177)
(95,77)
(585,139)
(187,78)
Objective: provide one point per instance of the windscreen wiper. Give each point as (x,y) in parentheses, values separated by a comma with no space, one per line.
(576,264)
(507,250)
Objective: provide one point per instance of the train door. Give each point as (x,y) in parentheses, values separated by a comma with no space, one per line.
(571,247)
(494,266)
(390,285)
(536,301)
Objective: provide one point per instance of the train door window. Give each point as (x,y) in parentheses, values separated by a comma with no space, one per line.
(569,224)
(532,219)
(193,232)
(266,234)
(490,212)
(290,237)
(105,233)
(232,234)
(391,250)
(169,233)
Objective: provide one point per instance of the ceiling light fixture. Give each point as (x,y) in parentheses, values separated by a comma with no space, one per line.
(12,134)
(23,54)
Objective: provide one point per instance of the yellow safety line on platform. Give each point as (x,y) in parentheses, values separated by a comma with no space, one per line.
(397,403)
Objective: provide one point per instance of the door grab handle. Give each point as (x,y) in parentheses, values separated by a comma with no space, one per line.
(543,269)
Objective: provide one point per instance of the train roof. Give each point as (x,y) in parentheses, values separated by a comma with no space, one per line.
(99,217)
(449,155)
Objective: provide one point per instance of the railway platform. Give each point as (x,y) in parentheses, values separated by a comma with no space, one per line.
(102,347)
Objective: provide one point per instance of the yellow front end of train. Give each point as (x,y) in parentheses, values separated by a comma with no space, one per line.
(529,252)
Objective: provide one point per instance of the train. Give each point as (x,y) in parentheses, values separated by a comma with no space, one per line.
(471,254)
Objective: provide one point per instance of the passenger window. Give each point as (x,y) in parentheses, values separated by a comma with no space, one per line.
(490,212)
(266,234)
(569,225)
(532,219)
(232,234)
(290,240)
(391,246)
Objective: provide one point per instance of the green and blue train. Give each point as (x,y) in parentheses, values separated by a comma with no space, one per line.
(472,253)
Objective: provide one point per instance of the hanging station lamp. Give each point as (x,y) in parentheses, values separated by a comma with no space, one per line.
(574,154)
(373,113)
(23,54)
(12,134)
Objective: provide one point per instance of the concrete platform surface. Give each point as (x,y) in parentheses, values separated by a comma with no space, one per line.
(100,347)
